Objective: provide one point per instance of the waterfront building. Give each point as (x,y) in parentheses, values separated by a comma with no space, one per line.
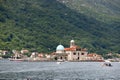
(60,53)
(94,57)
(16,54)
(34,55)
(3,52)
(40,55)
(72,53)
(75,53)
(23,51)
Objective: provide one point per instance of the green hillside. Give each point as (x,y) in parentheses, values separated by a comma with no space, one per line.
(40,25)
(103,10)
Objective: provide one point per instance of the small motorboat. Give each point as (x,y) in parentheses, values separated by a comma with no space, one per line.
(59,62)
(16,59)
(107,63)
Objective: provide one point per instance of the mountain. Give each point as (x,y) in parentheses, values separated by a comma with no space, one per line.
(106,11)
(41,25)
(103,10)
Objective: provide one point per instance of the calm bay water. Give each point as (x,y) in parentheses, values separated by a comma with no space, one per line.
(13,70)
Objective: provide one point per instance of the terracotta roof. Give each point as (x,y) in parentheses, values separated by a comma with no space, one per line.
(93,54)
(90,55)
(70,49)
(40,55)
(73,48)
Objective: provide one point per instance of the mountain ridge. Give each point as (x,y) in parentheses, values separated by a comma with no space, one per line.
(42,24)
(103,10)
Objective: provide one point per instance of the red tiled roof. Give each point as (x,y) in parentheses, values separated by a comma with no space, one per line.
(73,48)
(40,55)
(93,54)
(90,55)
(70,49)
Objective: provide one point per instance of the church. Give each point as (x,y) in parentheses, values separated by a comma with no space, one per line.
(72,53)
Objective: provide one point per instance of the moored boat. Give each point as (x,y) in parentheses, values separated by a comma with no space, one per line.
(107,63)
(16,59)
(58,62)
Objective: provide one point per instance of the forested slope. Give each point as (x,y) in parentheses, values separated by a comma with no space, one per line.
(40,25)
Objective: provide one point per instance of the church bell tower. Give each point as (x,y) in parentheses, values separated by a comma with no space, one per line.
(72,43)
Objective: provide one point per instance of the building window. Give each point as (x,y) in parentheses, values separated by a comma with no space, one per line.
(74,53)
(61,58)
(78,58)
(56,58)
(82,54)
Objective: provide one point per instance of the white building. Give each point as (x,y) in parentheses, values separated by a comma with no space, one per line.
(72,53)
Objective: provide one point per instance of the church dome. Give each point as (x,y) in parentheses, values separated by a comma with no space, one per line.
(60,47)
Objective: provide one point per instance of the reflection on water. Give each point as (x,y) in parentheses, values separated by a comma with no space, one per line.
(10,70)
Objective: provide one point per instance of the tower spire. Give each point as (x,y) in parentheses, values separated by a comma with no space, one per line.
(72,43)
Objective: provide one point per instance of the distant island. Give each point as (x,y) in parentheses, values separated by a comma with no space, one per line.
(72,53)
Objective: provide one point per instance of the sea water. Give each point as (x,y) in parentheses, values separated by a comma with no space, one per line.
(16,70)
